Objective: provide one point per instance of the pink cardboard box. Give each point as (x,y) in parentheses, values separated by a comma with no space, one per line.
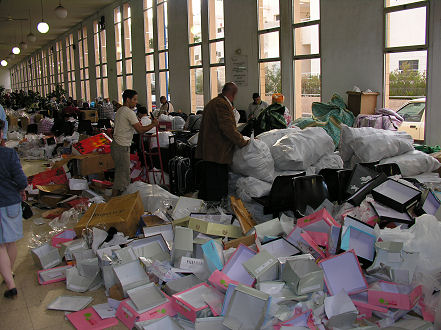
(128,315)
(322,228)
(301,239)
(394,295)
(220,281)
(58,275)
(189,302)
(233,268)
(65,236)
(88,319)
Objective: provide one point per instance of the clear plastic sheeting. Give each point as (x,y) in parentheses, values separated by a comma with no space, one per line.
(153,196)
(250,187)
(254,160)
(301,150)
(327,161)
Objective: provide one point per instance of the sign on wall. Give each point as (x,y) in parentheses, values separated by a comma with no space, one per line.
(240,70)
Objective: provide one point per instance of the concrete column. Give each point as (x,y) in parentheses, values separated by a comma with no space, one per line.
(433,101)
(351,46)
(77,63)
(138,50)
(286,55)
(111,53)
(179,62)
(241,38)
(91,59)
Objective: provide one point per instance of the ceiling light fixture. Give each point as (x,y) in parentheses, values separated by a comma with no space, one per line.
(42,27)
(16,50)
(4,63)
(60,11)
(31,37)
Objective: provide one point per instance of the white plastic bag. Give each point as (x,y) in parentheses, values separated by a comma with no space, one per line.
(194,139)
(271,137)
(254,160)
(413,163)
(164,140)
(349,134)
(250,187)
(178,123)
(373,148)
(300,150)
(327,161)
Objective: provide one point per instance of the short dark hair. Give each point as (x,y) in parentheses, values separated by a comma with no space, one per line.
(162,97)
(199,112)
(2,125)
(256,95)
(142,110)
(129,94)
(228,87)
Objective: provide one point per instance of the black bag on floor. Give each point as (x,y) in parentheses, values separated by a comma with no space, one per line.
(181,175)
(26,210)
(32,129)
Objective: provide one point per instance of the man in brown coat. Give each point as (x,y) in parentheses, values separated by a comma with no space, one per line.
(217,140)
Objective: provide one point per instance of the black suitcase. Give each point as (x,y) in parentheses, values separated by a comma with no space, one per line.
(181,175)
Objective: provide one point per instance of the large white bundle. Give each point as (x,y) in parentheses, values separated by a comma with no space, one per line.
(271,137)
(349,134)
(166,118)
(164,140)
(373,148)
(254,160)
(178,123)
(327,161)
(300,150)
(152,195)
(194,139)
(413,163)
(251,187)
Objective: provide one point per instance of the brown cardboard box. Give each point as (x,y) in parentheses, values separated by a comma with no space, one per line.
(91,115)
(95,163)
(122,212)
(362,102)
(51,195)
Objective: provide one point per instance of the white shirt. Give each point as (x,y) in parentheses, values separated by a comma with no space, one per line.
(125,118)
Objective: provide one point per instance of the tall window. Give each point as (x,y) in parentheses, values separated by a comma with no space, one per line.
(38,73)
(156,49)
(269,51)
(99,39)
(123,40)
(70,58)
(216,44)
(60,66)
(84,64)
(51,69)
(405,52)
(306,30)
(195,49)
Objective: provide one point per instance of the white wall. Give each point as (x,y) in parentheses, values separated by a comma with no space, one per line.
(5,78)
(351,46)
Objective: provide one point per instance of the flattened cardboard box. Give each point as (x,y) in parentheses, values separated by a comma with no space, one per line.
(88,164)
(210,228)
(123,213)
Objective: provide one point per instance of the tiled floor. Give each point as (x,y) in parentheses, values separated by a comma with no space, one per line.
(28,310)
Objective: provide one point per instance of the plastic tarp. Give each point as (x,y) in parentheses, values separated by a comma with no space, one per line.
(327,161)
(254,160)
(300,150)
(413,163)
(330,116)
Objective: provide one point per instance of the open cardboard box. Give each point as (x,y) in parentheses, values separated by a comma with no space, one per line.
(191,304)
(302,274)
(394,295)
(122,212)
(234,266)
(396,195)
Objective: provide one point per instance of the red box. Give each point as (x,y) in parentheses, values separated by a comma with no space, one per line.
(92,143)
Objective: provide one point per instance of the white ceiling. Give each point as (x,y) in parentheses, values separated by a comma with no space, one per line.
(10,31)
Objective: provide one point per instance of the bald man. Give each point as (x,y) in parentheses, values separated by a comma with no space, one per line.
(217,140)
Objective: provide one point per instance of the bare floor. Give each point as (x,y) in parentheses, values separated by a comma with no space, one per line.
(28,309)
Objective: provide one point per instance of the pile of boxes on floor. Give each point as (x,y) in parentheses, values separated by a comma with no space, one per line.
(186,267)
